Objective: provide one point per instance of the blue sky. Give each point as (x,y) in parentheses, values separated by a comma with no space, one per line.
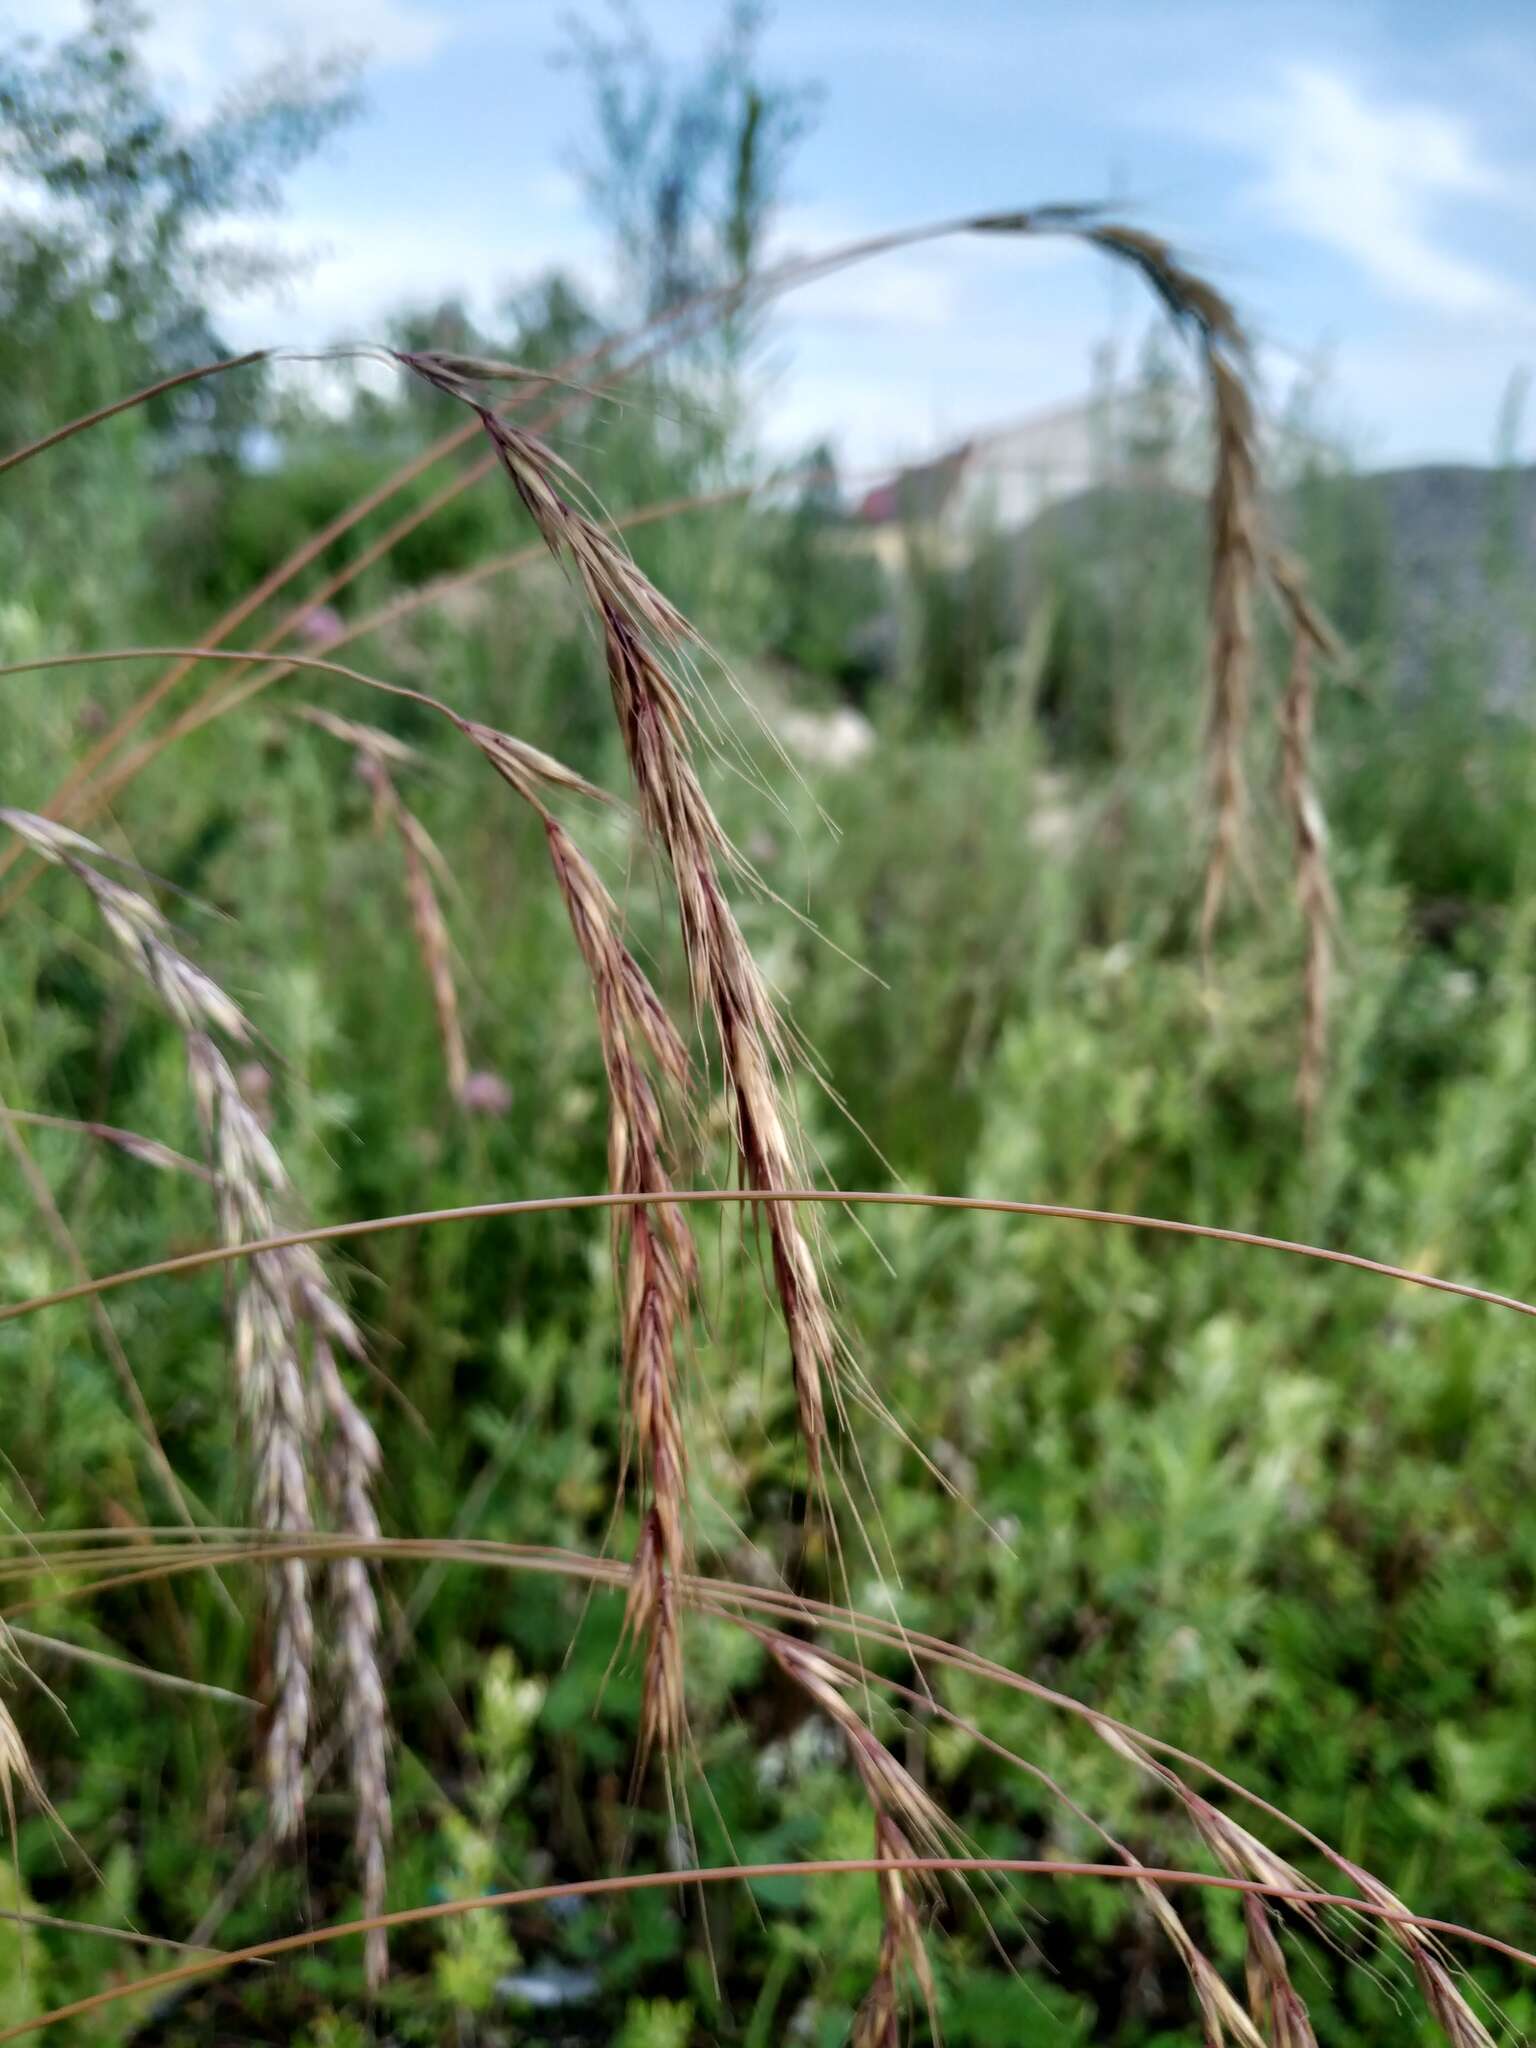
(1361,177)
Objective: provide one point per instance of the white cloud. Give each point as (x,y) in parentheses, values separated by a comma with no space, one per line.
(905,395)
(1376,181)
(900,291)
(875,419)
(352,272)
(1425,397)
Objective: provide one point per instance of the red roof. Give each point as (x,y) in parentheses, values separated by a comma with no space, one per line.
(879,505)
(917,492)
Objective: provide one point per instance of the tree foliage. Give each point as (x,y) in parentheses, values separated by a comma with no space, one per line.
(109,251)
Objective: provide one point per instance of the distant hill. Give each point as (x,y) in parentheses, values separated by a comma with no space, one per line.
(1458,548)
(1424,564)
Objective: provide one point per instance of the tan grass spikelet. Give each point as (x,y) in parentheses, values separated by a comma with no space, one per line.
(15,1768)
(1277,2008)
(1449,2009)
(657,1268)
(17,1771)
(364,739)
(641,632)
(270,1381)
(427,921)
(192,997)
(904,1814)
(1220,2012)
(1235,548)
(654,1256)
(877,2023)
(375,752)
(148,1151)
(651,1617)
(1312,640)
(277,1294)
(351,1467)
(1234,569)
(526,767)
(266,1370)
(1215,1999)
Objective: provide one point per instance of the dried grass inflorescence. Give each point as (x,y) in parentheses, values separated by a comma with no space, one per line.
(878,2021)
(1195,305)
(16,1767)
(270,1385)
(1234,555)
(1277,2014)
(654,1254)
(904,1815)
(148,1151)
(654,1257)
(1240,557)
(279,1295)
(1235,551)
(1312,640)
(1431,1966)
(375,753)
(645,640)
(351,1466)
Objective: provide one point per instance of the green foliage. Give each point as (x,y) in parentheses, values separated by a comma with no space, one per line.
(656,2023)
(478,1952)
(123,184)
(961,620)
(107,260)
(688,165)
(827,599)
(217,542)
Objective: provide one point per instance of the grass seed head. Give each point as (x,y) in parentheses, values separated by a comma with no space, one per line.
(352,1464)
(1312,640)
(641,632)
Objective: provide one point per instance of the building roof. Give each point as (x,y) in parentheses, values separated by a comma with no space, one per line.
(1056,449)
(918,492)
